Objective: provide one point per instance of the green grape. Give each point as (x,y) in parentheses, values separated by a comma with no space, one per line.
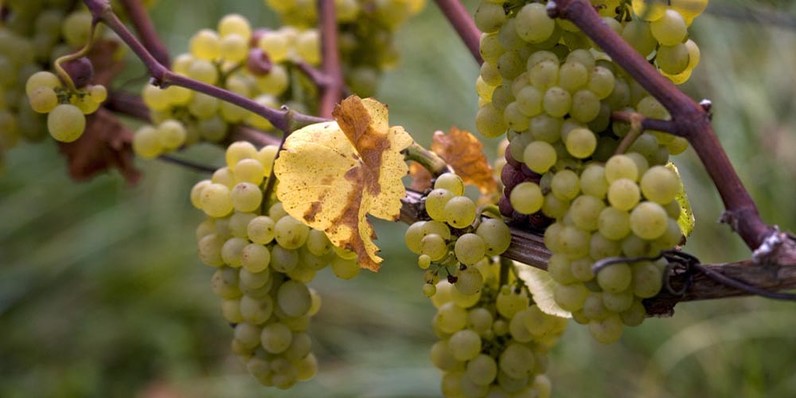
(585,211)
(248,335)
(544,74)
(614,223)
(621,166)
(570,297)
(516,360)
(43,99)
(673,59)
(495,234)
(276,337)
(41,79)
(469,281)
(532,23)
(460,212)
(441,356)
(250,171)
(585,106)
(205,45)
(554,207)
(529,101)
(593,182)
(510,65)
(560,269)
(234,24)
(635,315)
(345,268)
(450,182)
(638,35)
(489,121)
(557,102)
(252,281)
(469,249)
(293,298)
(509,302)
(434,246)
(231,251)
(601,82)
(300,347)
(660,184)
(225,283)
(276,44)
(647,279)
(196,193)
(171,134)
(246,197)
(76,28)
(233,48)
(526,198)
(573,76)
(216,200)
(465,345)
(565,185)
(308,46)
(261,230)
(255,257)
(283,260)
(648,220)
(593,307)
(210,250)
(623,194)
(436,201)
(539,156)
(515,119)
(413,235)
(481,370)
(649,10)
(615,278)
(450,318)
(581,142)
(480,320)
(670,29)
(290,233)
(489,17)
(608,330)
(490,48)
(66,123)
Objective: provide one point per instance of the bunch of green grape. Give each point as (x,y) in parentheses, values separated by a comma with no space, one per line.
(253,64)
(598,188)
(366,29)
(493,342)
(264,259)
(34,33)
(456,238)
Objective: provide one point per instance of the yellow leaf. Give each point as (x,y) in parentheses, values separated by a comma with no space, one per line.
(332,175)
(464,152)
(686,221)
(540,284)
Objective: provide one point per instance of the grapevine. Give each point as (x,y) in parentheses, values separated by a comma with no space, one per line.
(582,93)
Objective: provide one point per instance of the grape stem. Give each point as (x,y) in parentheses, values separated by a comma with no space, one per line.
(689,119)
(646,123)
(636,128)
(57,65)
(283,119)
(332,87)
(139,17)
(428,159)
(463,23)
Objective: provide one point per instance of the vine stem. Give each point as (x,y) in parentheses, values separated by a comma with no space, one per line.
(283,119)
(332,83)
(139,17)
(689,119)
(463,23)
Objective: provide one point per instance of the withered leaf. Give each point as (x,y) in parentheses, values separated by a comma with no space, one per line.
(464,152)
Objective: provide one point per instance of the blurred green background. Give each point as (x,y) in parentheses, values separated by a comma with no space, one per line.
(101,293)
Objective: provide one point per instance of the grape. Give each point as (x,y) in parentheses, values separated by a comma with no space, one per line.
(660,184)
(585,211)
(450,182)
(261,230)
(489,121)
(647,279)
(434,246)
(581,142)
(592,181)
(614,278)
(638,35)
(539,156)
(231,251)
(670,29)
(516,360)
(246,197)
(565,185)
(450,318)
(216,200)
(276,337)
(345,268)
(210,249)
(283,260)
(469,249)
(533,25)
(557,102)
(526,198)
(482,370)
(460,211)
(206,45)
(436,201)
(255,257)
(234,24)
(673,59)
(495,235)
(290,233)
(608,330)
(614,223)
(43,99)
(489,17)
(469,281)
(648,220)
(293,298)
(66,123)
(464,345)
(623,194)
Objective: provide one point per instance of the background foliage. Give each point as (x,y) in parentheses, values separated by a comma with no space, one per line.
(101,293)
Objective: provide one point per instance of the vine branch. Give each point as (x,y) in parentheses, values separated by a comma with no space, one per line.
(332,83)
(139,17)
(463,23)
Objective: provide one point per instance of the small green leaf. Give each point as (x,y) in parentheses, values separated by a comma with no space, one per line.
(686,221)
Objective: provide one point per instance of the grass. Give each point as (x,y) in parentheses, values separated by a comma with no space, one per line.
(101,293)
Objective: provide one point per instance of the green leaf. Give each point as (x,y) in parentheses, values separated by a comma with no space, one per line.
(540,284)
(686,221)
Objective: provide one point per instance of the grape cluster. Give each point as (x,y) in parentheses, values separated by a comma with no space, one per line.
(456,238)
(264,259)
(599,188)
(255,64)
(33,34)
(366,29)
(493,342)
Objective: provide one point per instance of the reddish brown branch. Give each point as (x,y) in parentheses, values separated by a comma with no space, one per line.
(463,23)
(332,89)
(689,119)
(146,30)
(646,123)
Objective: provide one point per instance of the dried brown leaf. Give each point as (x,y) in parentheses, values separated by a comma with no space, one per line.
(465,153)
